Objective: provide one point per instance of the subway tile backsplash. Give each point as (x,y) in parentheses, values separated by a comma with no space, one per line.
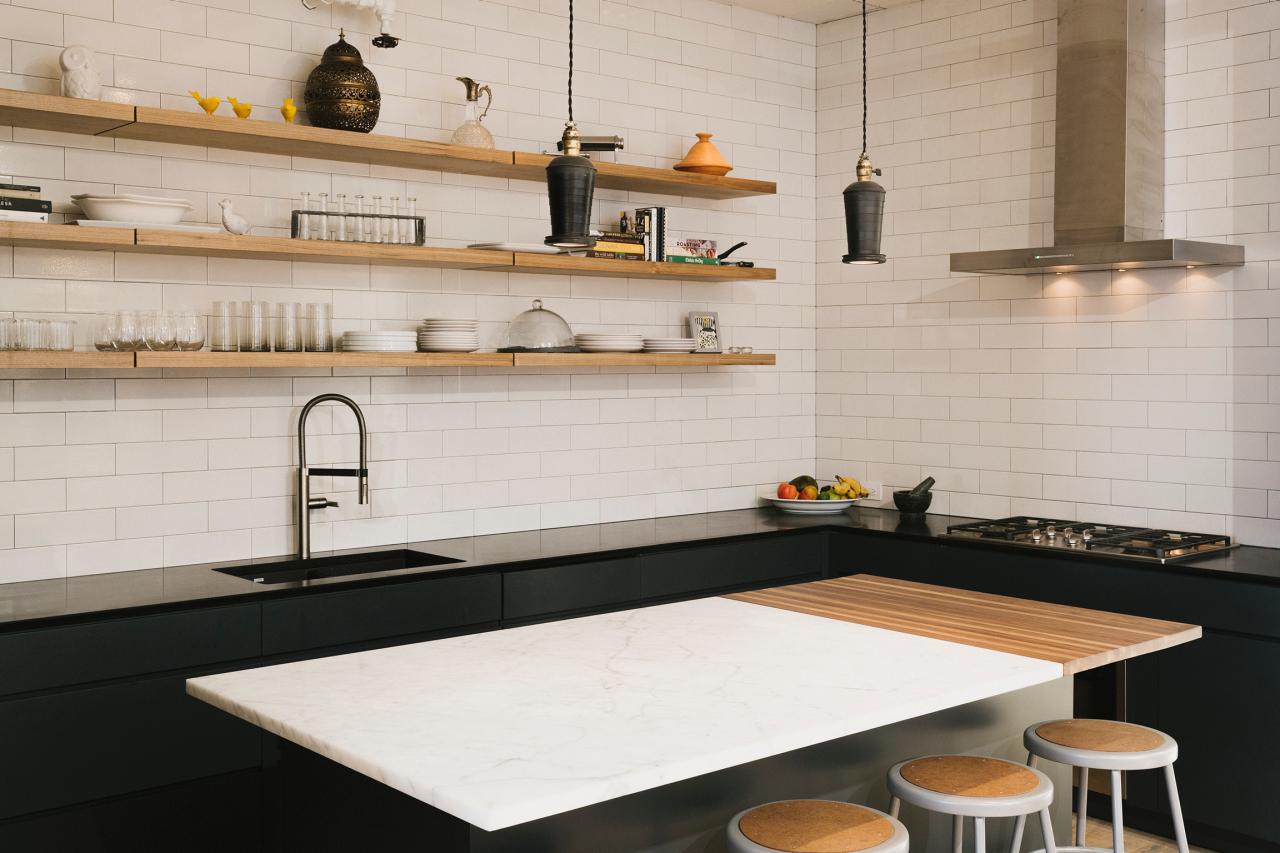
(1138,398)
(102,472)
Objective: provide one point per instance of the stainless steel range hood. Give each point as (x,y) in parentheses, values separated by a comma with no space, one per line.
(1108,206)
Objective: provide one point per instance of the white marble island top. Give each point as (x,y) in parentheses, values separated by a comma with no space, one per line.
(510,726)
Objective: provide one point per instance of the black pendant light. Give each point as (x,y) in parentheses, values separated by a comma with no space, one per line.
(864,198)
(571,181)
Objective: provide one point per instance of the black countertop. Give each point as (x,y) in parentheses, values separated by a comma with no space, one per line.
(34,603)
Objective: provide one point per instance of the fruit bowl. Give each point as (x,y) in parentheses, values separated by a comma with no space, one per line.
(811,507)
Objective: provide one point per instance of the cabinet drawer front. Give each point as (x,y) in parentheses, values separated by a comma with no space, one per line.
(735,565)
(561,589)
(117,648)
(81,745)
(334,619)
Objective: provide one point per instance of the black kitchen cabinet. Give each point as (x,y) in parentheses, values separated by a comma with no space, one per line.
(312,622)
(692,572)
(555,591)
(78,745)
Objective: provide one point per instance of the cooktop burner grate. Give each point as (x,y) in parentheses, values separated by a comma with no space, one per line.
(1114,540)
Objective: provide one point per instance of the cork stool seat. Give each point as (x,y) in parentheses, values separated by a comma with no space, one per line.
(1111,746)
(972,786)
(815,826)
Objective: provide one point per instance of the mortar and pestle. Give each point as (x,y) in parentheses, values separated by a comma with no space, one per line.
(914,501)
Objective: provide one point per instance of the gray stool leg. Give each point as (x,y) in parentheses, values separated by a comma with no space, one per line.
(1175,808)
(1046,827)
(980,834)
(1020,822)
(1117,813)
(895,806)
(957,834)
(1082,806)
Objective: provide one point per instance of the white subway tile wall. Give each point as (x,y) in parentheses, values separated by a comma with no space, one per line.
(1137,398)
(102,472)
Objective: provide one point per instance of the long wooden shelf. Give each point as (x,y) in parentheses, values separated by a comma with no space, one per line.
(124,121)
(639,359)
(323,359)
(206,360)
(222,244)
(532,262)
(226,245)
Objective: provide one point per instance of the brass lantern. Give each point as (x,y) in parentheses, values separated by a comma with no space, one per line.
(341,93)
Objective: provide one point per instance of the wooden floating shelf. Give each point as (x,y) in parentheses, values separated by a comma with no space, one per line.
(532,262)
(64,360)
(68,115)
(224,245)
(640,359)
(324,359)
(206,360)
(124,121)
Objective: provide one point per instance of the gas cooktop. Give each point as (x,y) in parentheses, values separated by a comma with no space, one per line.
(1148,544)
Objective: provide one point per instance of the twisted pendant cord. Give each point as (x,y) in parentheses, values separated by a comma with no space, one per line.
(864,75)
(571,60)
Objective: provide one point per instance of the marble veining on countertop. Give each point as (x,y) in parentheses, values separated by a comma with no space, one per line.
(510,726)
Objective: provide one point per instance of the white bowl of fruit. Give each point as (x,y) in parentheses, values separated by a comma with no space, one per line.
(804,496)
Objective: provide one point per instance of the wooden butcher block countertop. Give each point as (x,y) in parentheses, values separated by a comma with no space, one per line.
(1075,637)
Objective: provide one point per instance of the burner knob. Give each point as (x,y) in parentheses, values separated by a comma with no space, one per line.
(1086,536)
(1051,532)
(1073,541)
(1035,536)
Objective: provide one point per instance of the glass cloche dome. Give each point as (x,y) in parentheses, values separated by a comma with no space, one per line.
(539,330)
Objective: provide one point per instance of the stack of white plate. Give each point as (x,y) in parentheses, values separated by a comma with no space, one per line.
(442,335)
(379,342)
(609,343)
(670,344)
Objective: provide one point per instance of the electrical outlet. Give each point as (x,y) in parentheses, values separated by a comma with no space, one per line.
(876,490)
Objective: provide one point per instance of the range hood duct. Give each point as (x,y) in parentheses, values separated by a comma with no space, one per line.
(1108,205)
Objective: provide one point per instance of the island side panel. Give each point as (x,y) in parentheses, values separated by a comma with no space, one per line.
(687,816)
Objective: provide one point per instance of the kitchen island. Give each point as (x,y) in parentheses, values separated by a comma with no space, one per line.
(641,724)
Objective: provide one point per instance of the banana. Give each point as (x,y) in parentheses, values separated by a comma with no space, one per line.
(855,489)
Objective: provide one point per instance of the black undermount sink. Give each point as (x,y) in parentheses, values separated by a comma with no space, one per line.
(293,571)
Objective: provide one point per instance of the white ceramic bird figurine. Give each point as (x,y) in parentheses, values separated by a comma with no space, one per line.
(233,222)
(79,77)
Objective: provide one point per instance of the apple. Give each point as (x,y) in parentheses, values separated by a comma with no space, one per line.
(787,492)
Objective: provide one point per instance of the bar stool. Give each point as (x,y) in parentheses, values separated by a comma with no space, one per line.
(815,826)
(973,786)
(1105,745)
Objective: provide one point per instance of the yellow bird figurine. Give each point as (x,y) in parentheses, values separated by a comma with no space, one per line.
(208,104)
(241,110)
(288,110)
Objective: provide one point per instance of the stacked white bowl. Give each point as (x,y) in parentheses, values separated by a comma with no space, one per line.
(438,334)
(670,344)
(381,341)
(609,343)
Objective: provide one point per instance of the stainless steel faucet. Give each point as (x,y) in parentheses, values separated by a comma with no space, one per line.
(306,503)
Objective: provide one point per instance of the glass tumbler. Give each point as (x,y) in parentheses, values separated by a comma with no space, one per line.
(30,335)
(190,331)
(130,338)
(8,332)
(319,327)
(255,331)
(224,330)
(158,333)
(62,335)
(106,333)
(289,327)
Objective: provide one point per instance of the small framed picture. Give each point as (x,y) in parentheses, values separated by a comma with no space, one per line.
(704,328)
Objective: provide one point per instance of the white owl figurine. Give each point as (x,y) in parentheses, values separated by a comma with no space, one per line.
(79,77)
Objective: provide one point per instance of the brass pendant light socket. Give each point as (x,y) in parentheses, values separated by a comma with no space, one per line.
(571,140)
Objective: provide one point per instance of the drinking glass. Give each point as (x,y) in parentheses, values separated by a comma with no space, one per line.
(130,335)
(319,327)
(289,329)
(8,331)
(255,331)
(304,218)
(224,331)
(158,333)
(30,335)
(62,335)
(190,331)
(106,333)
